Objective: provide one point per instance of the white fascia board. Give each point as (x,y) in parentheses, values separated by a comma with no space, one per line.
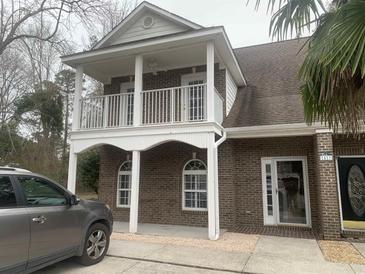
(138,47)
(142,47)
(238,74)
(281,130)
(199,127)
(140,8)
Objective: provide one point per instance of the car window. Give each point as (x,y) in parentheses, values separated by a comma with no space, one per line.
(40,192)
(7,193)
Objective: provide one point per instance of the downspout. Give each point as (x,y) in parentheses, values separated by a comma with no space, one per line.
(216,190)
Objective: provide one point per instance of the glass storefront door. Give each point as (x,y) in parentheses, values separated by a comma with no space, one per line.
(285,186)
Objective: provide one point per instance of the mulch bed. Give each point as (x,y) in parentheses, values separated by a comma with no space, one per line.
(341,252)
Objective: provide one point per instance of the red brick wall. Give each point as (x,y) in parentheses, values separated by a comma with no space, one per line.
(247,174)
(160,184)
(240,185)
(329,215)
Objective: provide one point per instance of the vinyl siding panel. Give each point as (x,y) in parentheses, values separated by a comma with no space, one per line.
(137,32)
(231,90)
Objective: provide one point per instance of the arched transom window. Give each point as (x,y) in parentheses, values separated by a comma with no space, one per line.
(195,185)
(124,185)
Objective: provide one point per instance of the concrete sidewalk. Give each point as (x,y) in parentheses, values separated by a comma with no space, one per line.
(271,255)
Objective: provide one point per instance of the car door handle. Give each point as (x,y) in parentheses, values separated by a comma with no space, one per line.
(40,220)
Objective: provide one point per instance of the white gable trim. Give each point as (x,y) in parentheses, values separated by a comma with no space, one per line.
(139,9)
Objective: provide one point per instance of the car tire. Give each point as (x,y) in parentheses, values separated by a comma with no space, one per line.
(95,248)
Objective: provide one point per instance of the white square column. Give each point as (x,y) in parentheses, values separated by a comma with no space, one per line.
(79,75)
(72,163)
(133,215)
(213,204)
(210,81)
(72,170)
(138,86)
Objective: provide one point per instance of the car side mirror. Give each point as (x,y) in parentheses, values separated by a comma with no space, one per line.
(74,200)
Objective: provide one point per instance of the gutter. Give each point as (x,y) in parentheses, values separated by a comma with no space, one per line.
(280,130)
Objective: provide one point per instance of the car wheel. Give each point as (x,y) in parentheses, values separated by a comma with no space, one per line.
(96,244)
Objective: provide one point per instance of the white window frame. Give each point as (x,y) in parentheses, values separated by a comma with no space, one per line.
(194,172)
(186,78)
(128,173)
(275,220)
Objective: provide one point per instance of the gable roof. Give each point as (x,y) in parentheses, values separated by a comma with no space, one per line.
(144,7)
(272,94)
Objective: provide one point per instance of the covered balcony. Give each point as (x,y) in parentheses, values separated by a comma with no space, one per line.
(161,79)
(176,105)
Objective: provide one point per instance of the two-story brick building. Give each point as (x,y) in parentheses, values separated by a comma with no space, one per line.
(193,132)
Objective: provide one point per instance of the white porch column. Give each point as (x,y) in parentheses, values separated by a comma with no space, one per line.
(72,169)
(133,215)
(213,207)
(210,81)
(138,86)
(76,104)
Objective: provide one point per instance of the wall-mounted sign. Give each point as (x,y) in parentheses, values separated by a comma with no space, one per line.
(326,156)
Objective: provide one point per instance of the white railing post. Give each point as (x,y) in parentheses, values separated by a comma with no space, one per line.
(76,104)
(210,81)
(172,118)
(106,111)
(138,86)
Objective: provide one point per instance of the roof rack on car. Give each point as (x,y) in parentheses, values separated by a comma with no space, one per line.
(8,168)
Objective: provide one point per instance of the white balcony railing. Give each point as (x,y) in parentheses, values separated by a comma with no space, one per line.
(174,105)
(107,111)
(161,106)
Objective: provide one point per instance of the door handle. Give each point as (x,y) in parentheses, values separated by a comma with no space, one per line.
(40,220)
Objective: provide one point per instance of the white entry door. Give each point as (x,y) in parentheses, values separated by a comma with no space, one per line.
(194,103)
(285,191)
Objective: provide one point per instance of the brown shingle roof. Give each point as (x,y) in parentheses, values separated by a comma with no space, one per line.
(272,94)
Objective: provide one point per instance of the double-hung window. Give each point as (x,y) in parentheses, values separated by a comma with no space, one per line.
(195,186)
(124,185)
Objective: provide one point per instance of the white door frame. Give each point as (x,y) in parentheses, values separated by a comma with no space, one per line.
(123,89)
(275,219)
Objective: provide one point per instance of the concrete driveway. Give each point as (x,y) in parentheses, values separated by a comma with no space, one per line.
(270,255)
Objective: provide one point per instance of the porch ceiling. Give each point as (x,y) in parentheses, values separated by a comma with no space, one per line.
(179,57)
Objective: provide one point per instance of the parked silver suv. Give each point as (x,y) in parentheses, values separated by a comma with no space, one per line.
(42,223)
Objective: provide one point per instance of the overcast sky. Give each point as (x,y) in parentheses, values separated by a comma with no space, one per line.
(244,25)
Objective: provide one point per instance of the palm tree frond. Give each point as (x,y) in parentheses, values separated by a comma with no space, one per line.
(333,72)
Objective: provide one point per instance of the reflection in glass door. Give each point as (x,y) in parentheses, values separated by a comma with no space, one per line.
(291,192)
(286,189)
